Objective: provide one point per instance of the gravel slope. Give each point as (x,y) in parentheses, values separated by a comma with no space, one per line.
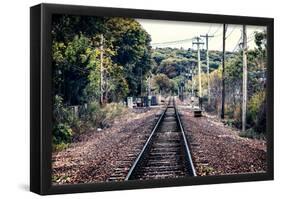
(218,149)
(96,155)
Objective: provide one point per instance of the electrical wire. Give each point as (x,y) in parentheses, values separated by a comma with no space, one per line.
(231,32)
(172,42)
(180,41)
(175,42)
(210,28)
(237,44)
(214,33)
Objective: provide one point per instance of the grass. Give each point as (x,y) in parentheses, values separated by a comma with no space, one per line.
(60,147)
(232,123)
(110,112)
(58,179)
(205,170)
(94,117)
(251,133)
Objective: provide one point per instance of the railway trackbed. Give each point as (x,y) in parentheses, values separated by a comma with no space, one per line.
(165,154)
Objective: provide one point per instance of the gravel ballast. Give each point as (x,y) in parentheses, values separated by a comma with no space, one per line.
(219,150)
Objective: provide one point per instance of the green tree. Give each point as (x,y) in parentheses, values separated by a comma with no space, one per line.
(133,51)
(71,61)
(163,83)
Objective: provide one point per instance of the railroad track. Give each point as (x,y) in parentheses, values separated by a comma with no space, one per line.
(166,153)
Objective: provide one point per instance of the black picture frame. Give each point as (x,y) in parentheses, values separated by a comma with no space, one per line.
(41,103)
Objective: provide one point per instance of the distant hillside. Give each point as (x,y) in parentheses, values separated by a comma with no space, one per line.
(174,62)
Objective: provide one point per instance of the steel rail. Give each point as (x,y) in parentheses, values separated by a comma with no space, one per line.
(145,148)
(188,156)
(142,155)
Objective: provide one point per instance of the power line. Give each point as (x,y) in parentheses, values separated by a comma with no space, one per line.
(175,42)
(237,44)
(231,32)
(250,36)
(172,42)
(216,30)
(249,40)
(214,33)
(183,40)
(209,29)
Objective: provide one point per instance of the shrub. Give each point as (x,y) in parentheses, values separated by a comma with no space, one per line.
(233,123)
(261,119)
(256,113)
(62,119)
(251,133)
(62,114)
(60,147)
(102,116)
(95,114)
(65,122)
(62,133)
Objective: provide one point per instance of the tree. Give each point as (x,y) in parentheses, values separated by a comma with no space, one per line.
(76,61)
(163,83)
(133,51)
(71,68)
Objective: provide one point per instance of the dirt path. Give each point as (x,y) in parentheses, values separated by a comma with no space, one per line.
(218,149)
(96,155)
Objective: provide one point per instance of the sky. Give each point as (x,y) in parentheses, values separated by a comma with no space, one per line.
(163,31)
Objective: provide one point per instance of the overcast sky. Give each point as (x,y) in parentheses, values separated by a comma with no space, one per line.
(166,31)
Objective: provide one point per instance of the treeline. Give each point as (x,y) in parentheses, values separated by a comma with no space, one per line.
(98,62)
(86,50)
(176,65)
(172,68)
(76,57)
(256,88)
(174,61)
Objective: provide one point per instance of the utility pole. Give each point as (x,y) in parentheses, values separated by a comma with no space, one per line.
(198,43)
(141,82)
(223,75)
(149,85)
(101,69)
(149,90)
(192,85)
(182,90)
(208,63)
(244,88)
